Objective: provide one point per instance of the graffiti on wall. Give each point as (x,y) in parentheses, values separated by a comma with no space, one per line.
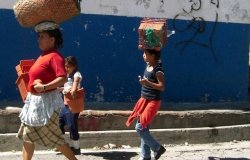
(146,5)
(199,33)
(230,11)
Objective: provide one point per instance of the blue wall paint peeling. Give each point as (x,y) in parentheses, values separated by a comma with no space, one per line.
(211,67)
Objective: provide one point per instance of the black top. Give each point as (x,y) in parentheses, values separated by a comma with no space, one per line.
(148,92)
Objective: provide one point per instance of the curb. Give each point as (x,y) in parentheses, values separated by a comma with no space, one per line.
(9,142)
(98,120)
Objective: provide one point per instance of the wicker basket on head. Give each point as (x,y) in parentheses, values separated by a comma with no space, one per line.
(31,12)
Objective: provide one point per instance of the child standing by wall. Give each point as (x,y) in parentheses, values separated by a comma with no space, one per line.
(147,106)
(67,117)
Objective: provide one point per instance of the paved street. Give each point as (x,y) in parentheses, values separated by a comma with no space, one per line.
(237,150)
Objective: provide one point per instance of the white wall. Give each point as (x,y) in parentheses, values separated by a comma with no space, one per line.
(228,10)
(236,11)
(7,4)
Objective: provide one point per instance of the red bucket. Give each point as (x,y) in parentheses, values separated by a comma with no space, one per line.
(22,83)
(24,66)
(76,104)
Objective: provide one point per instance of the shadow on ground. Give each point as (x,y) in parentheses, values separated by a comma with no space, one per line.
(114,155)
(218,158)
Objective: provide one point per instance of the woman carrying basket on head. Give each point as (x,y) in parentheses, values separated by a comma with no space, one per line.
(39,115)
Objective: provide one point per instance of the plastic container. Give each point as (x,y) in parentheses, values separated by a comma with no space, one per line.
(24,66)
(22,84)
(76,104)
(67,86)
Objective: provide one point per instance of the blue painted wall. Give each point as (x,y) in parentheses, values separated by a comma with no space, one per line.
(204,62)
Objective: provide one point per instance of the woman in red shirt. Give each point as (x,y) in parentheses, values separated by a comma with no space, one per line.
(39,115)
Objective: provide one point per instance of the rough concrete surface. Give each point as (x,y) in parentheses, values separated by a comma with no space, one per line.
(174,128)
(103,120)
(98,128)
(236,150)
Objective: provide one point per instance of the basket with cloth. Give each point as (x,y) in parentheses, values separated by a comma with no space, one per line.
(152,33)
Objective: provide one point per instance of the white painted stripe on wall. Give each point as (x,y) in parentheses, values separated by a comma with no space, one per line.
(7,4)
(236,11)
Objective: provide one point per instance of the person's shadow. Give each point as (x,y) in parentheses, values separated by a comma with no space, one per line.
(114,155)
(218,158)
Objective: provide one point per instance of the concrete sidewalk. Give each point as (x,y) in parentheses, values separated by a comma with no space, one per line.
(237,150)
(99,128)
(107,120)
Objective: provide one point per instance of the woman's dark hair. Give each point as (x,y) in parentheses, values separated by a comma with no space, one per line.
(71,60)
(154,52)
(57,34)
